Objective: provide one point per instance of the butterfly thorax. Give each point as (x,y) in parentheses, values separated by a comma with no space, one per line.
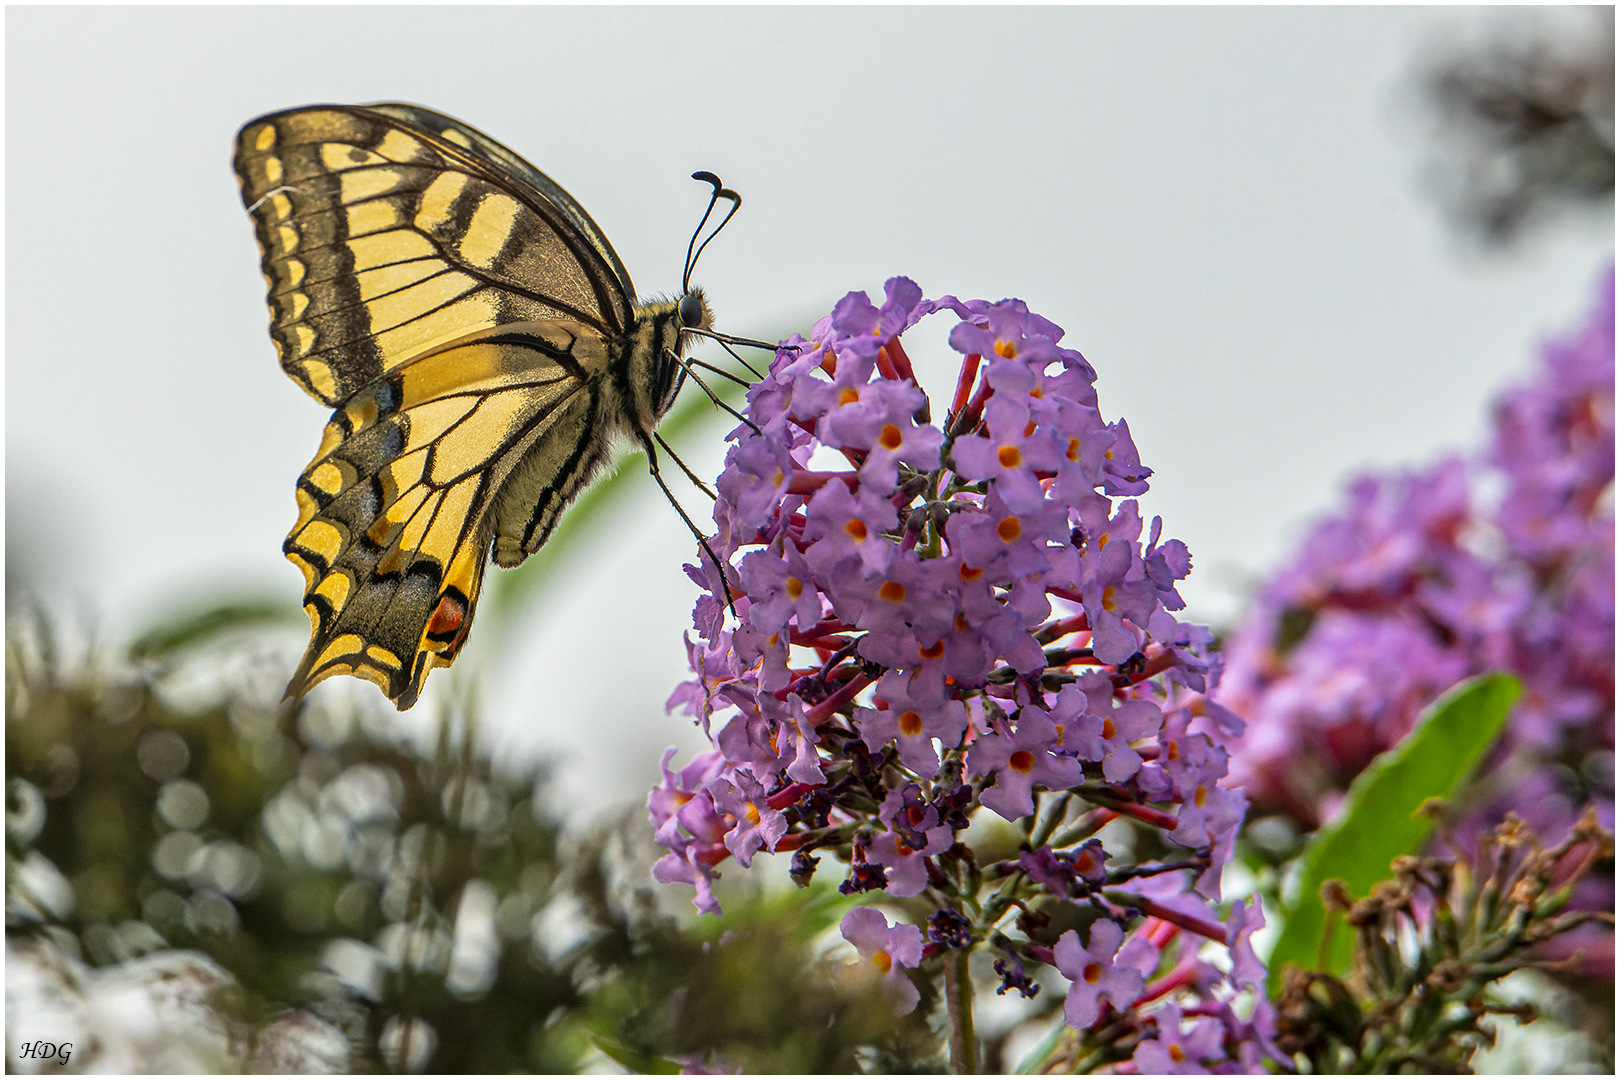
(625,386)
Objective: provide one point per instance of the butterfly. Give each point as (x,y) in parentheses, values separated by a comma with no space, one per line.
(482,348)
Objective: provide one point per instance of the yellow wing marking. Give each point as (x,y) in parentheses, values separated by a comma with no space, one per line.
(340,156)
(335,587)
(387,279)
(364,184)
(479,311)
(439,200)
(385,249)
(400,307)
(397,146)
(328,477)
(374,217)
(489,231)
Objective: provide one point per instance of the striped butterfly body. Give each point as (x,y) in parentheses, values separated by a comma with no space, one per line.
(480,343)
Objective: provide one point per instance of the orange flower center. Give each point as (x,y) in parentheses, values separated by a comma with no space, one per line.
(848,396)
(910,723)
(1006,350)
(892,591)
(795,588)
(883,961)
(934,651)
(889,438)
(1091,972)
(856,529)
(1009,457)
(1109,730)
(1021,760)
(1009,529)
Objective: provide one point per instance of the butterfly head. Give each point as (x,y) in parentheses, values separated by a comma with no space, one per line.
(695,313)
(692,318)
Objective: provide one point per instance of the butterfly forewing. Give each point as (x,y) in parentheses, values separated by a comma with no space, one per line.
(383,242)
(460,312)
(509,164)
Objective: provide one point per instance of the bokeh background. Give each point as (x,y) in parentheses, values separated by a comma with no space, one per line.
(1232,211)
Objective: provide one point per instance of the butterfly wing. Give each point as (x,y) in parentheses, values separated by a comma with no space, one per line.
(394,519)
(383,241)
(402,251)
(509,164)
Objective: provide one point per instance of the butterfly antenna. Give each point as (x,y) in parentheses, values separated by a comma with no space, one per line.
(652,467)
(720,192)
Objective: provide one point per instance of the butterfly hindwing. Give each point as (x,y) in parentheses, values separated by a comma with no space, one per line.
(383,241)
(414,476)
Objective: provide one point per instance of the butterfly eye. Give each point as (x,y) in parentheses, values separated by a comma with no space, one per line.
(691,310)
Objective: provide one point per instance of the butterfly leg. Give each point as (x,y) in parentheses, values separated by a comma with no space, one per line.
(687,367)
(705,365)
(690,475)
(652,467)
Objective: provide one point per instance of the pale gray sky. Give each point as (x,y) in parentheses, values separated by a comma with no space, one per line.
(1222,206)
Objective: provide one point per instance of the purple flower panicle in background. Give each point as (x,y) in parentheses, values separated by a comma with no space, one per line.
(1422,582)
(934,619)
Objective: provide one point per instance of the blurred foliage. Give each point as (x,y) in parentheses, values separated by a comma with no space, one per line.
(281,846)
(333,867)
(1430,944)
(1526,125)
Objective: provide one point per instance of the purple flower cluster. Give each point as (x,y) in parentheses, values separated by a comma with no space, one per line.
(934,618)
(1418,584)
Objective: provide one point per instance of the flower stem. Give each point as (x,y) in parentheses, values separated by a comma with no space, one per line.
(959,1010)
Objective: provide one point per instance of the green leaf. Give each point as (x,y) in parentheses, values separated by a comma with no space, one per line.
(1379,823)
